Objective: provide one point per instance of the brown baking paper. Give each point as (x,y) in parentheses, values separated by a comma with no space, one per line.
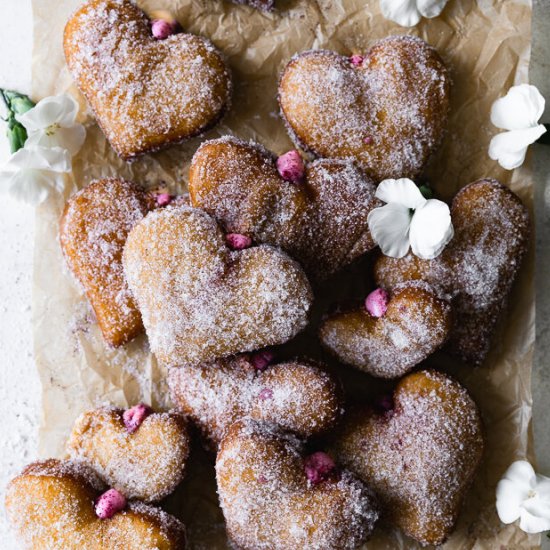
(486,45)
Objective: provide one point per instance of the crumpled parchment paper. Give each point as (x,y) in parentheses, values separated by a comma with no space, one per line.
(486,44)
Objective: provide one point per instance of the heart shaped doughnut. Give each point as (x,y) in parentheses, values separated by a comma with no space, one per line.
(296,395)
(386,110)
(51,506)
(273,498)
(321,221)
(478,267)
(413,324)
(144,462)
(145,93)
(419,456)
(92,231)
(199,299)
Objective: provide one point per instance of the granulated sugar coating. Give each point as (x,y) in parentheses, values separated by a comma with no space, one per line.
(388,113)
(93,231)
(51,506)
(269,504)
(419,457)
(297,395)
(146,465)
(145,93)
(415,325)
(321,222)
(478,267)
(200,300)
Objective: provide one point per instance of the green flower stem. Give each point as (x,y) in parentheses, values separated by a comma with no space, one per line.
(16,104)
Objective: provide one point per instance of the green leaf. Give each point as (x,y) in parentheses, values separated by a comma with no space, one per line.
(427,192)
(16,104)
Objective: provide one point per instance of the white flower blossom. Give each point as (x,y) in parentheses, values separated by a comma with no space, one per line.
(408,220)
(32,173)
(52,123)
(408,13)
(518,112)
(525,495)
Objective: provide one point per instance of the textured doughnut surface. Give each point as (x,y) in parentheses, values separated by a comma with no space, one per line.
(420,456)
(51,507)
(146,465)
(478,267)
(145,93)
(297,395)
(268,502)
(200,300)
(321,222)
(93,229)
(415,324)
(388,114)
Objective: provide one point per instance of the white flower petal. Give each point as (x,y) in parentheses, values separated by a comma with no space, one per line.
(534,523)
(542,487)
(510,498)
(389,227)
(71,139)
(31,186)
(60,109)
(402,12)
(402,191)
(431,8)
(520,108)
(431,229)
(510,148)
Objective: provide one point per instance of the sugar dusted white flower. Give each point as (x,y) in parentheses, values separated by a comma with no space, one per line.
(32,173)
(52,123)
(408,220)
(525,495)
(408,13)
(518,112)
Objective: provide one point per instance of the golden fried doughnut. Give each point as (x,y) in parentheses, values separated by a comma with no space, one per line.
(321,221)
(419,456)
(415,324)
(386,110)
(145,463)
(93,229)
(478,267)
(199,299)
(51,507)
(296,395)
(274,498)
(145,93)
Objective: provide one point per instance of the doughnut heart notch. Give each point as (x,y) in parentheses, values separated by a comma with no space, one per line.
(296,395)
(419,456)
(387,111)
(145,463)
(477,268)
(200,300)
(415,324)
(320,221)
(51,505)
(272,497)
(93,229)
(145,93)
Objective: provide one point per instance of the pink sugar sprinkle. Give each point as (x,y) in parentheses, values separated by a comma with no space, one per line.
(134,417)
(376,302)
(291,166)
(109,503)
(262,479)
(262,359)
(356,60)
(162,29)
(236,241)
(369,140)
(319,466)
(266,393)
(164,199)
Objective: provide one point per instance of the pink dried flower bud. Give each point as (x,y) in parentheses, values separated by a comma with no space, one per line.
(262,359)
(164,199)
(384,403)
(265,394)
(236,241)
(162,29)
(369,140)
(319,467)
(291,167)
(356,60)
(109,503)
(376,302)
(134,417)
